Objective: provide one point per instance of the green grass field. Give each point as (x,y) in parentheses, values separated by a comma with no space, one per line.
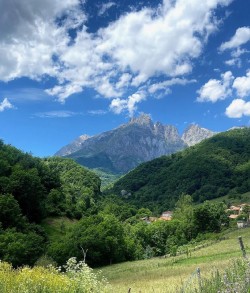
(161,275)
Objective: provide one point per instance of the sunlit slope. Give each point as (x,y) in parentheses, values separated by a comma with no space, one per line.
(159,275)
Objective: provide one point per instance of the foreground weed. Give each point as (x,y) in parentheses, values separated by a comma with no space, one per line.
(77,278)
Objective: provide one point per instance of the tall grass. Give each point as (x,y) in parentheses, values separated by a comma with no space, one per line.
(166,275)
(75,278)
(235,278)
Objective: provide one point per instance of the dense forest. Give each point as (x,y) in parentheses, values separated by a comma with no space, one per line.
(32,189)
(105,228)
(213,168)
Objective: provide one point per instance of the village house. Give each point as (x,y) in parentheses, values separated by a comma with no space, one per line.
(165,216)
(236,211)
(241,224)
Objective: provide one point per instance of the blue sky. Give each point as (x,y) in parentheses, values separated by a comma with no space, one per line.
(77,67)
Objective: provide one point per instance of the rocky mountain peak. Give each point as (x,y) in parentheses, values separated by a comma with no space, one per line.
(83,137)
(143,120)
(171,134)
(159,129)
(194,134)
(122,149)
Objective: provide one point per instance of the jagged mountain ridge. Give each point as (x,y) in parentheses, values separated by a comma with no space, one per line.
(72,147)
(140,140)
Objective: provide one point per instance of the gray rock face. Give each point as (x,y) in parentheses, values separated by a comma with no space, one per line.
(195,134)
(73,146)
(125,147)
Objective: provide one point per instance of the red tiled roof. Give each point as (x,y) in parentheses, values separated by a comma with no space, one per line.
(234,208)
(233,216)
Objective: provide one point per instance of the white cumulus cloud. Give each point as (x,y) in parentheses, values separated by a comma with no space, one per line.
(5,104)
(215,89)
(168,83)
(238,108)
(233,62)
(131,50)
(242,85)
(166,43)
(35,42)
(30,38)
(119,105)
(242,36)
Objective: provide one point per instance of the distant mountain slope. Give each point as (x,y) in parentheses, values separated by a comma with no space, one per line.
(72,147)
(208,170)
(124,148)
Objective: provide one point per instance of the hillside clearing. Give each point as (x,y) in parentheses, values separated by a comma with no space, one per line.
(56,227)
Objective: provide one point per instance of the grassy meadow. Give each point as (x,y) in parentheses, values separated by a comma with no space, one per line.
(156,275)
(159,275)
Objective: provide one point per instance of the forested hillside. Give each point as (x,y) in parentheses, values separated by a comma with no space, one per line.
(79,189)
(213,168)
(32,189)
